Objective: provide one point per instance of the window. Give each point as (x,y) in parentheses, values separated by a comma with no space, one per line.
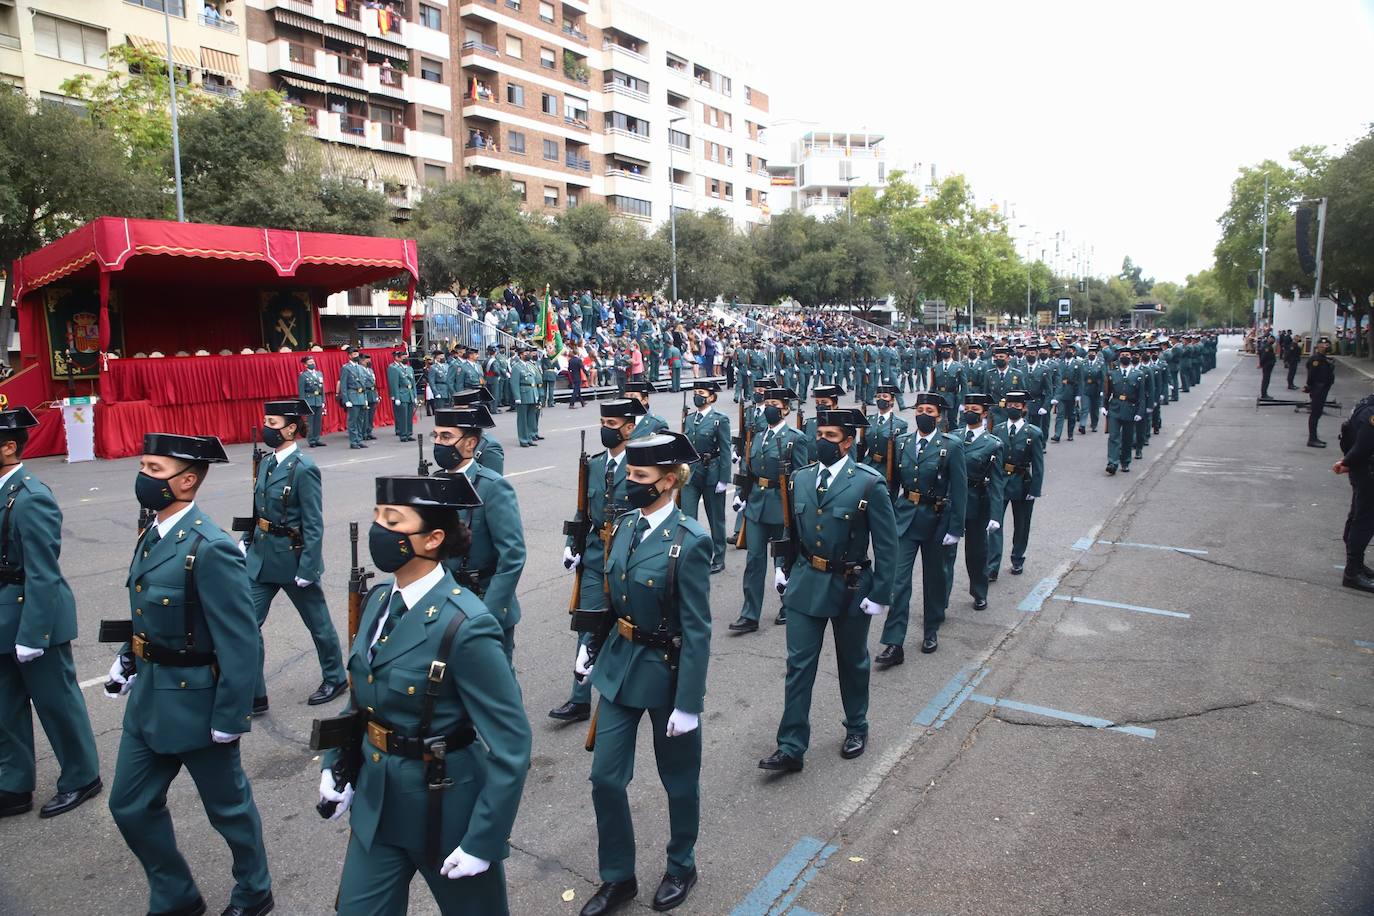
(514,47)
(515,94)
(546,12)
(713,187)
(513,4)
(725,85)
(519,188)
(573,199)
(435,174)
(431,18)
(516,141)
(175,7)
(70,41)
(52,98)
(729,191)
(574,110)
(619,121)
(547,59)
(432,122)
(431,70)
(630,205)
(549,103)
(679,139)
(550,197)
(551,150)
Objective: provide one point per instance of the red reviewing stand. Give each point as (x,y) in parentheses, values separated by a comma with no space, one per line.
(117,287)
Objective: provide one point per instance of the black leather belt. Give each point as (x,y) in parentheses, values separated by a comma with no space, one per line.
(172,658)
(653,639)
(384,738)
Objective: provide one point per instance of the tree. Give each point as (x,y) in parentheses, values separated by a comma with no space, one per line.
(1348,261)
(610,252)
(815,262)
(713,259)
(1132,274)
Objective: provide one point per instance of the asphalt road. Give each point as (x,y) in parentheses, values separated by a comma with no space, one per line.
(1241,784)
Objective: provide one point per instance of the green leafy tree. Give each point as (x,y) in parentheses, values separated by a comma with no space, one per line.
(1348,255)
(713,259)
(471,235)
(610,253)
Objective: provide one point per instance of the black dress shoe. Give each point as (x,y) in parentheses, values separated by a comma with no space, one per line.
(931,642)
(1315,443)
(673,890)
(1139,455)
(572,712)
(1054,438)
(1111,470)
(610,896)
(1125,469)
(717,568)
(854,744)
(259,705)
(744,625)
(1359,582)
(12,803)
(63,802)
(992,576)
(257,909)
(195,908)
(782,616)
(980,604)
(370,438)
(321,444)
(1018,568)
(781,762)
(890,656)
(1081,430)
(325,692)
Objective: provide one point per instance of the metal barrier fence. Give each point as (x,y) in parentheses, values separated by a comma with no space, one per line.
(447,324)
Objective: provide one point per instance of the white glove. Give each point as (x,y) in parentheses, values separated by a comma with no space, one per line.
(580,667)
(117,675)
(993,525)
(570,559)
(223,737)
(1042,411)
(303,583)
(348,403)
(720,487)
(1053,401)
(737,504)
(872,609)
(680,723)
(243,548)
(25,654)
(328,792)
(1137,418)
(1104,411)
(1077,399)
(1030,499)
(461,865)
(396,401)
(734,457)
(780,580)
(950,540)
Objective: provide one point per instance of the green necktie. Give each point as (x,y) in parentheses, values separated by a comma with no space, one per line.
(824,481)
(641,529)
(395,612)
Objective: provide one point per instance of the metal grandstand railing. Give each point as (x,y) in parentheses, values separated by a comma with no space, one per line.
(446,323)
(738,314)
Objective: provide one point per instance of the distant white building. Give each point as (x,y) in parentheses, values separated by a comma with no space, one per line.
(814,171)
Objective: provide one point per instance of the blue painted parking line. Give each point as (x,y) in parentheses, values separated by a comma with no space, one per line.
(1189,550)
(1082,544)
(927,716)
(1032,602)
(1047,712)
(1077,599)
(780,887)
(959,700)
(1364,644)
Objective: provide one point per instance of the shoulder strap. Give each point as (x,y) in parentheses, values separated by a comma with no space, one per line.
(670,584)
(290,483)
(190,599)
(5,532)
(437,670)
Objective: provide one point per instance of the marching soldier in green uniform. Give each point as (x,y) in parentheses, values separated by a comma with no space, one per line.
(606,500)
(883,427)
(674,357)
(188,670)
(650,424)
(650,656)
(370,383)
(1094,375)
(1040,389)
(493,564)
(776,447)
(930,517)
(827,397)
(400,382)
(1000,379)
(468,371)
(525,381)
(832,580)
(429,679)
(1068,398)
(984,460)
(1023,467)
(709,432)
(1124,411)
(353,397)
(310,389)
(490,454)
(443,380)
(284,548)
(947,379)
(37,626)
(548,364)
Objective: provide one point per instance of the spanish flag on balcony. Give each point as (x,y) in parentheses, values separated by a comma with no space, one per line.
(341,6)
(547,327)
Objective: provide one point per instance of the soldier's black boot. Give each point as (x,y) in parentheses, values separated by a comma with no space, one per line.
(1356,575)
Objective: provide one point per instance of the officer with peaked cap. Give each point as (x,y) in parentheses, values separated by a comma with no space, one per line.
(1023,467)
(492,565)
(400,384)
(37,626)
(188,669)
(430,678)
(284,545)
(310,389)
(708,430)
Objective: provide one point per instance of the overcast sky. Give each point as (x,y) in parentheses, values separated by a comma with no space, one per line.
(1119,124)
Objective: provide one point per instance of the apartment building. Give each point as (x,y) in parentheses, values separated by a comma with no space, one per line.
(814,171)
(374,79)
(45,42)
(579,101)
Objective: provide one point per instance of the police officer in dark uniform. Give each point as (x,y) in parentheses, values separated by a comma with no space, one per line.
(1357,442)
(1321,375)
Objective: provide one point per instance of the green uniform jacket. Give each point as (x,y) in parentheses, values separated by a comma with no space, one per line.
(400,382)
(273,558)
(498,543)
(1128,398)
(310,388)
(1070,380)
(601,510)
(877,436)
(650,424)
(468,375)
(174,709)
(488,775)
(525,382)
(352,385)
(1039,386)
(369,385)
(1093,375)
(637,676)
(765,461)
(838,525)
(949,380)
(441,379)
(41,611)
(984,458)
(710,432)
(996,383)
(939,474)
(1025,452)
(491,454)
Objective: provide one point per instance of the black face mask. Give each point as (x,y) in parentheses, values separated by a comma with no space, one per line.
(272,438)
(926,423)
(1014,413)
(884,403)
(699,400)
(771,415)
(1031,360)
(611,437)
(642,495)
(971,418)
(391,549)
(154,493)
(310,366)
(758,397)
(1000,363)
(827,452)
(446,456)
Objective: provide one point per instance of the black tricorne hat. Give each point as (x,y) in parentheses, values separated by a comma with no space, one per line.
(18,418)
(622,408)
(1019,397)
(850,418)
(705,385)
(661,450)
(930,397)
(187,448)
(475,417)
(639,388)
(779,394)
(470,396)
(446,491)
(979,400)
(834,392)
(887,389)
(293,407)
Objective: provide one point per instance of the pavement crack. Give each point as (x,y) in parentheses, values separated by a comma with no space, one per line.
(1297,580)
(548,863)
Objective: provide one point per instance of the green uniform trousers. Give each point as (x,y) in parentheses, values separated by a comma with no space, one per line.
(405,419)
(357,423)
(714,503)
(536,411)
(376,882)
(757,566)
(314,611)
(369,419)
(933,588)
(613,766)
(46,685)
(1021,511)
(316,422)
(975,543)
(1120,440)
(523,433)
(676,375)
(805,636)
(138,801)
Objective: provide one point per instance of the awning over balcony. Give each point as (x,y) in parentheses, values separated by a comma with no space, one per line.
(221,62)
(344,35)
(305,84)
(287,17)
(182,57)
(348,161)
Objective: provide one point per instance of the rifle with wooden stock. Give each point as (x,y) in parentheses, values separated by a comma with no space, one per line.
(891,464)
(580,526)
(423,468)
(785,547)
(250,524)
(744,482)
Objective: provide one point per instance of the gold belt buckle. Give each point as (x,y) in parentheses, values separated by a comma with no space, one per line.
(626,628)
(264,525)
(820,563)
(914,496)
(765,483)
(377,735)
(1009,469)
(140,646)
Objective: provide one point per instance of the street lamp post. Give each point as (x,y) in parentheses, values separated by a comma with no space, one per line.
(176,136)
(672,201)
(849,195)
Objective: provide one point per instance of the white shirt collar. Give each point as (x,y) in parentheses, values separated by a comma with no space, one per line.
(778,428)
(9,474)
(706,409)
(172,520)
(834,469)
(613,460)
(1015,425)
(978,431)
(933,433)
(285,453)
(658,516)
(415,591)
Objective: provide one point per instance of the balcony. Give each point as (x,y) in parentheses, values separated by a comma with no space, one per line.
(393,137)
(304,7)
(621,89)
(626,173)
(352,128)
(9,41)
(621,132)
(348,71)
(215,22)
(574,161)
(227,92)
(579,123)
(621,49)
(680,188)
(574,32)
(385,81)
(293,58)
(482,93)
(473,47)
